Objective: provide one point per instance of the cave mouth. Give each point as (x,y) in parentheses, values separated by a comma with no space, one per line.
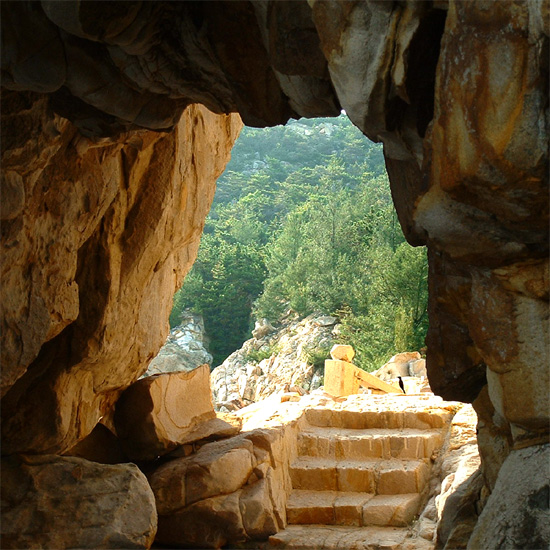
(297,212)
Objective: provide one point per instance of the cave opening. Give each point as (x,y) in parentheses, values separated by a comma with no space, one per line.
(303,223)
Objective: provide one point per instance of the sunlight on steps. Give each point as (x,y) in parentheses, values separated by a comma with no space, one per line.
(360,478)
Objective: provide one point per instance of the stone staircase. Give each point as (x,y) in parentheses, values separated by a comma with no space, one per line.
(358,479)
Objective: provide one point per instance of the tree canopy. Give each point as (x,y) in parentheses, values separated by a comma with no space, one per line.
(303,220)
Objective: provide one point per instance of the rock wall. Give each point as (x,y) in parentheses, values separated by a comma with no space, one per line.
(184,349)
(97,228)
(103,235)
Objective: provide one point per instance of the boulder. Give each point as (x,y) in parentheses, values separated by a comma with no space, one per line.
(65,502)
(326,321)
(400,364)
(227,491)
(517,514)
(257,509)
(217,468)
(342,352)
(158,413)
(418,368)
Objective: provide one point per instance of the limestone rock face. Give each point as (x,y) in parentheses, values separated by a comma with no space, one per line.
(241,379)
(184,349)
(64,502)
(102,237)
(155,414)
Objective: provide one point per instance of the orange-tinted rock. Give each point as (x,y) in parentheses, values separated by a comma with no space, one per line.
(158,413)
(105,237)
(96,235)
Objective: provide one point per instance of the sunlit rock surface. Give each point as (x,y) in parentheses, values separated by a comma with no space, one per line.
(158,413)
(184,349)
(90,262)
(273,361)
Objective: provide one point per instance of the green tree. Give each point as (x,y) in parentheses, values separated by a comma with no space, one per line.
(303,219)
(222,286)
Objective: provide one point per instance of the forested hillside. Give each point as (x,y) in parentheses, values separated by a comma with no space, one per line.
(303,220)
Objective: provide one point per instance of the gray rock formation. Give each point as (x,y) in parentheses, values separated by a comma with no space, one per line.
(275,360)
(184,349)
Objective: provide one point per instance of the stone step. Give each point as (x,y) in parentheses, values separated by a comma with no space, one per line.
(335,537)
(352,509)
(420,420)
(385,477)
(340,443)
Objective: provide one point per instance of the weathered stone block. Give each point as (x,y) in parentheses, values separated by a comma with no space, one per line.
(66,502)
(217,468)
(342,352)
(356,476)
(391,510)
(404,477)
(311,507)
(309,473)
(348,508)
(156,414)
(360,447)
(256,506)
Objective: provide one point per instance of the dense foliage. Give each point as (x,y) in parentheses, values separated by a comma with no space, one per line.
(303,219)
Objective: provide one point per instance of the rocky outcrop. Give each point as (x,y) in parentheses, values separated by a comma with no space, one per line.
(290,353)
(229,491)
(184,349)
(98,230)
(158,413)
(63,502)
(102,239)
